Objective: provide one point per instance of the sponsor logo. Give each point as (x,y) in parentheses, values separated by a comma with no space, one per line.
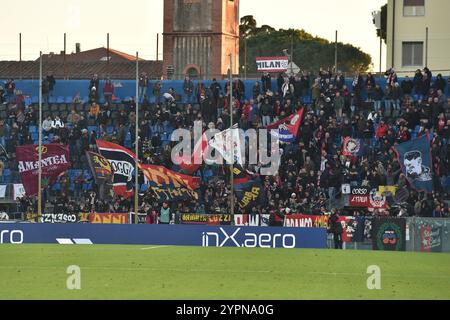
(12,237)
(251,240)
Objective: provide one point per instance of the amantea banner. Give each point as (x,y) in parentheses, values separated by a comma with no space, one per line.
(169,185)
(54,162)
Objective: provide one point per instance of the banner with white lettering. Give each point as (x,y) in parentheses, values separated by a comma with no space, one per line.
(54,162)
(123,165)
(272,64)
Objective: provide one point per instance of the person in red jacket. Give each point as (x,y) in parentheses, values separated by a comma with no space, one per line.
(108,91)
(381,130)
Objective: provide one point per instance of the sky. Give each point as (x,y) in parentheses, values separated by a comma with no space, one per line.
(134,24)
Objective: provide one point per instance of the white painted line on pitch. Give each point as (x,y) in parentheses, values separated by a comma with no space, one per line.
(82,241)
(151,248)
(64,241)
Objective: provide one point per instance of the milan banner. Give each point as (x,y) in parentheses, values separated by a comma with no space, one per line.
(415,159)
(272,64)
(389,234)
(352,147)
(122,163)
(54,162)
(169,185)
(250,194)
(100,167)
(288,128)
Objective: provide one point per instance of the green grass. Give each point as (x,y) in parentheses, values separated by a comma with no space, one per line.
(129,272)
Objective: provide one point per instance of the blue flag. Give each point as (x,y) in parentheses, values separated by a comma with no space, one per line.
(415,159)
(250,194)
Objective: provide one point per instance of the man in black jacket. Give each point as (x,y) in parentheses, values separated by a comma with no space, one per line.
(51,83)
(335,227)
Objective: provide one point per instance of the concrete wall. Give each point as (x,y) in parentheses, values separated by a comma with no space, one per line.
(413,28)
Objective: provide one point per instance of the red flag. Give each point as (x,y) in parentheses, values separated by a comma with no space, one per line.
(54,162)
(288,128)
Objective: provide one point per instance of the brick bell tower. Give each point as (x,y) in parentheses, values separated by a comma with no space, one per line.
(199,36)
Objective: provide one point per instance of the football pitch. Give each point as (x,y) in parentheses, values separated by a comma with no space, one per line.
(169,273)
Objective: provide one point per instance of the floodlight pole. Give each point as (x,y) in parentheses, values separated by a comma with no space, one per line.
(231,138)
(40,142)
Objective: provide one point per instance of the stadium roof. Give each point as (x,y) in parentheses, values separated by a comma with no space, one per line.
(82,65)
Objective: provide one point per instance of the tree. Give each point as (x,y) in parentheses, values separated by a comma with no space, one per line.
(247,25)
(310,53)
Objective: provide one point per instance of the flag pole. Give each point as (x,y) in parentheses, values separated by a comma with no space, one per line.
(231,139)
(40,141)
(136,145)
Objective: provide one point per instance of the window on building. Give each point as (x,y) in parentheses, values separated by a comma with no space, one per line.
(413,8)
(412,54)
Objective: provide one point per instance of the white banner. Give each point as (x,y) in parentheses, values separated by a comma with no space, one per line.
(19,191)
(2,191)
(272,64)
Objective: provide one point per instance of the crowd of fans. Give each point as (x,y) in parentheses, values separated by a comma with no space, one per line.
(380,112)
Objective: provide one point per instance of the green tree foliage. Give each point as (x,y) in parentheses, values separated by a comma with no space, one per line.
(310,53)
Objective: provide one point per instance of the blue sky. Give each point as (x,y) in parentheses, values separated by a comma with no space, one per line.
(133,24)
